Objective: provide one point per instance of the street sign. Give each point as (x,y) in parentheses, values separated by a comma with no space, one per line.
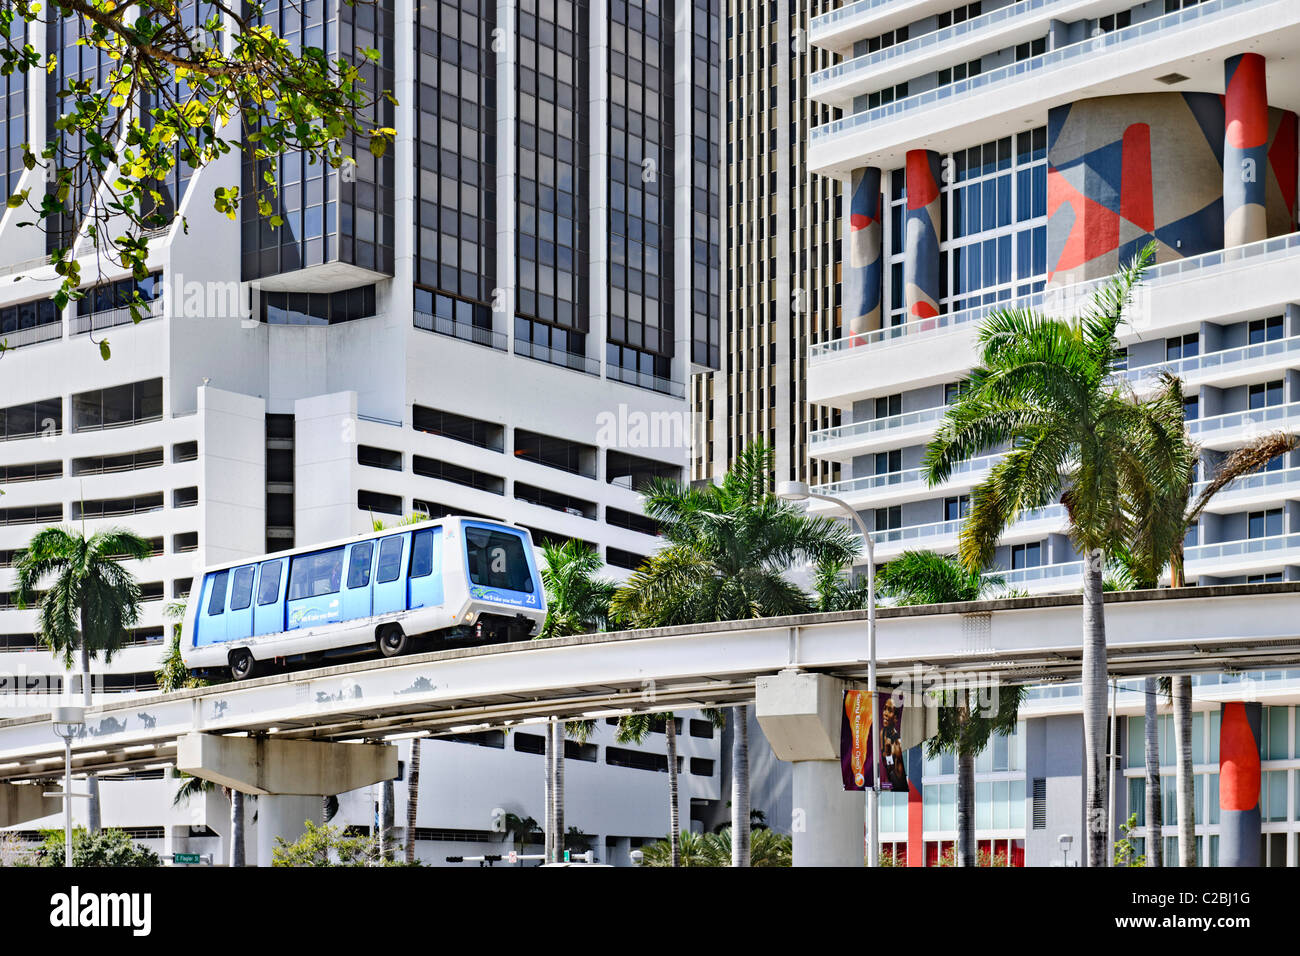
(186,858)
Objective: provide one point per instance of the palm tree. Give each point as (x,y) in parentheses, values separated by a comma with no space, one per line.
(965,726)
(90,603)
(728,548)
(1045,388)
(634,728)
(192,786)
(577,602)
(412,799)
(1173,513)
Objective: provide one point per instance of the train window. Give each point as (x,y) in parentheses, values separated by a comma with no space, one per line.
(311,575)
(421,554)
(269,590)
(241,589)
(217,602)
(496,560)
(390,559)
(359,564)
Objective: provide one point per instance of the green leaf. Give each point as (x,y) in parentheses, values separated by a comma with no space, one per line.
(104,352)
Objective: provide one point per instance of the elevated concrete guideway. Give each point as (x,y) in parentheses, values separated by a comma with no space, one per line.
(1025,640)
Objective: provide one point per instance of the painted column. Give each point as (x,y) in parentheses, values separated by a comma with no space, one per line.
(921,227)
(915,817)
(1245,151)
(863,261)
(1239,777)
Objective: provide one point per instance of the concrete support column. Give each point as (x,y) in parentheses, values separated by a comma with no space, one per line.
(915,808)
(921,226)
(800,716)
(284,816)
(21,802)
(1245,151)
(1239,779)
(834,819)
(863,259)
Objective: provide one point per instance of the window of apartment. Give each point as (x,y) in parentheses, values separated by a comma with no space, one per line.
(635,472)
(28,315)
(1116,21)
(117,406)
(111,507)
(623,559)
(1266,394)
(1265,330)
(701,728)
(317,308)
(185,497)
(888,462)
(889,405)
(35,471)
(31,514)
(955,390)
(1182,346)
(31,419)
(553,452)
(186,541)
(462,428)
(457,474)
(630,520)
(954,509)
(110,464)
(555,500)
(887,519)
(1026,555)
(701,767)
(373,457)
(1264,524)
(108,296)
(379,502)
(1272,577)
(185,451)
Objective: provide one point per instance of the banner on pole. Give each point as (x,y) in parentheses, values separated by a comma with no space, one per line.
(855,741)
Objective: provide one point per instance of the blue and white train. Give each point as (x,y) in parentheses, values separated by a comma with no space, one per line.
(440,582)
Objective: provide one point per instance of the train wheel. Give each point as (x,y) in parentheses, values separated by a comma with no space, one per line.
(392,641)
(242,664)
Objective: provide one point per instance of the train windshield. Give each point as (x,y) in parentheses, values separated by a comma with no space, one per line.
(497,560)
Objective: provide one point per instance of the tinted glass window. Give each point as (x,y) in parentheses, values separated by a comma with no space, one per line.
(359,564)
(241,591)
(422,553)
(217,602)
(312,575)
(390,559)
(269,590)
(496,560)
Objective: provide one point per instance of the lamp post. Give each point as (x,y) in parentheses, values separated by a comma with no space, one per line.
(799,491)
(68,722)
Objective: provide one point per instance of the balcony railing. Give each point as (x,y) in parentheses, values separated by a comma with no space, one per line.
(1271,417)
(109,318)
(33,336)
(631,376)
(873,426)
(823,78)
(1256,482)
(1072,56)
(460,330)
(1215,361)
(942,529)
(1043,572)
(906,476)
(570,360)
(1244,548)
(1049,300)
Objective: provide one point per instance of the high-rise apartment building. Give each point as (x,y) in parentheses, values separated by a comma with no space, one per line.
(994,154)
(498,317)
(782,249)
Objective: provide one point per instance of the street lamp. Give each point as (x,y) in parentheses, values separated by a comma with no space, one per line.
(799,491)
(68,723)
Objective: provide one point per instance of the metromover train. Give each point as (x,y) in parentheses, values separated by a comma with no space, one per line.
(450,581)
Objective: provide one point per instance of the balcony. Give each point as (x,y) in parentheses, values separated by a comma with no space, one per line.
(1193,41)
(569,360)
(996,30)
(631,376)
(34,335)
(896,431)
(1045,578)
(1222,432)
(895,487)
(1225,368)
(429,322)
(1261,489)
(842,27)
(111,318)
(1229,558)
(1226,285)
(941,536)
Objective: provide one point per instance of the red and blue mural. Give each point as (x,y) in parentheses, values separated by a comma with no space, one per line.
(1126,170)
(863,265)
(921,227)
